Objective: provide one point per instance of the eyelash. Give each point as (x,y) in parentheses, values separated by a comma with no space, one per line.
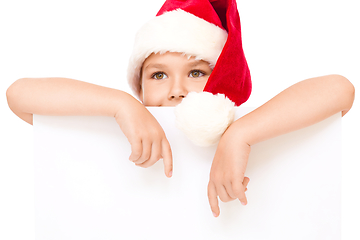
(192,71)
(197,70)
(154,74)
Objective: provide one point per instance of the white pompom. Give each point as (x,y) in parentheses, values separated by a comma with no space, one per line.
(204,117)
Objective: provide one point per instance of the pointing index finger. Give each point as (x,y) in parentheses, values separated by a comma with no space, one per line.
(213,200)
(167,157)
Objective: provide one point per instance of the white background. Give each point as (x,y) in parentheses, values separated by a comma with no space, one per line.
(284,42)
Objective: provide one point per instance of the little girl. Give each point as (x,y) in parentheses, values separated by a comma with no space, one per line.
(192,45)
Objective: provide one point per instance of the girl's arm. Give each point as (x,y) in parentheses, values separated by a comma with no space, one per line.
(61,96)
(299,106)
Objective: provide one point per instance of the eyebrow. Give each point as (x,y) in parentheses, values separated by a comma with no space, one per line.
(161,66)
(155,65)
(197,62)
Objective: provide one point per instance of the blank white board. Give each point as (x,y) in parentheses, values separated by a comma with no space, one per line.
(86,188)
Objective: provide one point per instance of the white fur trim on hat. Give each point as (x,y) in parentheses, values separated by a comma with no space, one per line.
(175,31)
(204,117)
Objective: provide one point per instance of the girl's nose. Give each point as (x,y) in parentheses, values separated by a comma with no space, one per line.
(178,90)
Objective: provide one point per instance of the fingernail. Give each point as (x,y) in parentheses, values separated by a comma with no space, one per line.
(170,174)
(215,215)
(243,203)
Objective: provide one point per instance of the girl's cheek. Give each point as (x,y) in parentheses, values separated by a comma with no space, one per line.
(152,98)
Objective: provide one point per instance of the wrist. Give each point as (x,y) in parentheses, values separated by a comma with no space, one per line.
(126,104)
(240,131)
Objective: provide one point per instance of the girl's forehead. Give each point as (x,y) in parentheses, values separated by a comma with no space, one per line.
(159,56)
(172,57)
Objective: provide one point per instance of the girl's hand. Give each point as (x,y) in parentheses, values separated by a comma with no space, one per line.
(68,97)
(144,133)
(301,105)
(227,179)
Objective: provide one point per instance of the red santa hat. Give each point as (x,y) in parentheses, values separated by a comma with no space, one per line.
(208,30)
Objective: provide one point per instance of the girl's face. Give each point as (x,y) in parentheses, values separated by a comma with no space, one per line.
(168,78)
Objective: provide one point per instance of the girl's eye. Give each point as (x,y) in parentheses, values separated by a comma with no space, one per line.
(159,75)
(196,74)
